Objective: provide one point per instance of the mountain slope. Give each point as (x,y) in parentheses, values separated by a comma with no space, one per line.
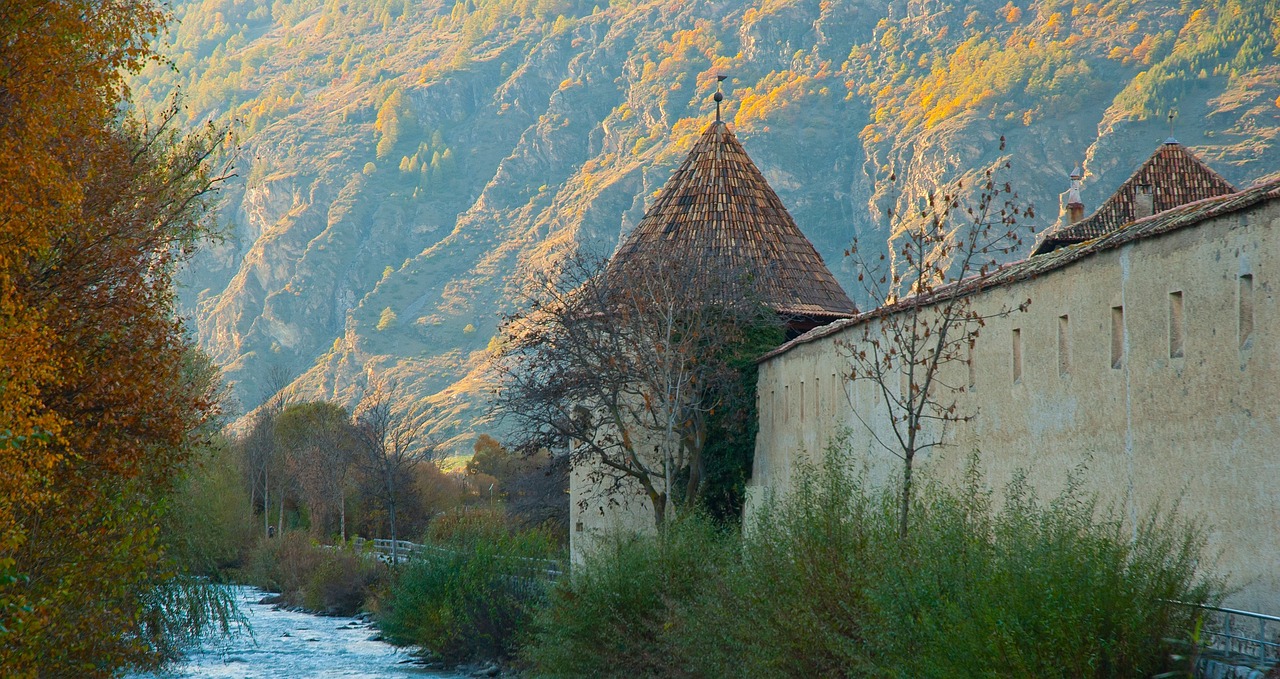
(405,166)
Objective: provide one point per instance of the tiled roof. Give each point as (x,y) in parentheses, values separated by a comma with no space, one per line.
(717,213)
(1179,217)
(1176,177)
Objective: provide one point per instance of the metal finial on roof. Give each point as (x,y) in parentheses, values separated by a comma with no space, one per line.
(1172,115)
(719,96)
(1077,174)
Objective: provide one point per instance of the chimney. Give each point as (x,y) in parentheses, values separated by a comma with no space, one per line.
(1075,206)
(1144,203)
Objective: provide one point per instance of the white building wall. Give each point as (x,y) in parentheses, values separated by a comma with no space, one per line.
(603,506)
(604,502)
(1200,428)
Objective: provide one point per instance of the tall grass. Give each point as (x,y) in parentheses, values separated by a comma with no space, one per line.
(799,597)
(821,585)
(472,597)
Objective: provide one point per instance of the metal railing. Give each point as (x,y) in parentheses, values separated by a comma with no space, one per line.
(383,548)
(1239,633)
(527,567)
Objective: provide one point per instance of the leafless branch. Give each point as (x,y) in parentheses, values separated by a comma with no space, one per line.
(927,318)
(623,362)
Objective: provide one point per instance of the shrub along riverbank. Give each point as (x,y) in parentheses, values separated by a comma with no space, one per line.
(468,599)
(330,580)
(819,585)
(472,599)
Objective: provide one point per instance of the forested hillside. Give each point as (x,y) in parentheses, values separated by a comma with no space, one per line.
(404,166)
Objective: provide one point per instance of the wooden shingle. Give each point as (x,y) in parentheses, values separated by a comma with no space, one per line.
(718,213)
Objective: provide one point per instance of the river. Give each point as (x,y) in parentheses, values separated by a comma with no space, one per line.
(282,643)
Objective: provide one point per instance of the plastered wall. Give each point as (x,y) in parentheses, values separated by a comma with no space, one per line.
(1155,365)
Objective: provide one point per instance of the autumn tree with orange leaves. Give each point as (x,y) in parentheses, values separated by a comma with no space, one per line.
(101,394)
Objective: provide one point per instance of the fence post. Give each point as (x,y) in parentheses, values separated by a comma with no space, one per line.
(1262,639)
(1226,628)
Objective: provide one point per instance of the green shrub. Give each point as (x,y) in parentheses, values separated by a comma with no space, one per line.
(797,598)
(621,613)
(472,596)
(821,585)
(335,581)
(1063,589)
(341,583)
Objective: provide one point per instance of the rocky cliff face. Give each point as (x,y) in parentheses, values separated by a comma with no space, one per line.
(405,166)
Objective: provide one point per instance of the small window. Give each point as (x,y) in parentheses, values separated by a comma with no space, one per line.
(578,526)
(1017,355)
(1246,309)
(1117,337)
(1175,324)
(817,396)
(802,401)
(973,370)
(1064,346)
(786,403)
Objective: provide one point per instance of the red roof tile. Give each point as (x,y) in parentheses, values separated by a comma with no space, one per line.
(1176,177)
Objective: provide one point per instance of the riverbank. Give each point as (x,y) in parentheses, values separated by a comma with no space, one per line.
(276,641)
(457,605)
(421,657)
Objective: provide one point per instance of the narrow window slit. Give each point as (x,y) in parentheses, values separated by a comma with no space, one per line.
(1017,355)
(1117,337)
(1246,309)
(1064,346)
(802,401)
(973,370)
(1175,324)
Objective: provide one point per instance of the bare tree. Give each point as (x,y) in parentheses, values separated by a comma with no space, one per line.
(532,483)
(259,444)
(392,443)
(319,446)
(260,457)
(625,361)
(942,253)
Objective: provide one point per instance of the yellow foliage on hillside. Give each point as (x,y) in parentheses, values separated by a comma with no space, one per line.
(770,96)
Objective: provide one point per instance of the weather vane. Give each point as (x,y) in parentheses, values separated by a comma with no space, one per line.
(1172,113)
(719,96)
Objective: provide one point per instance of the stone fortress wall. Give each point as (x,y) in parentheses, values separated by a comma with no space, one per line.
(1154,363)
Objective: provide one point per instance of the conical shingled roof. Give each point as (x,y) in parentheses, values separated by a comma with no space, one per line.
(717,213)
(1176,177)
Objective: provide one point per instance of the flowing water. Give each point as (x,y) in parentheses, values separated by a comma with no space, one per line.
(282,643)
